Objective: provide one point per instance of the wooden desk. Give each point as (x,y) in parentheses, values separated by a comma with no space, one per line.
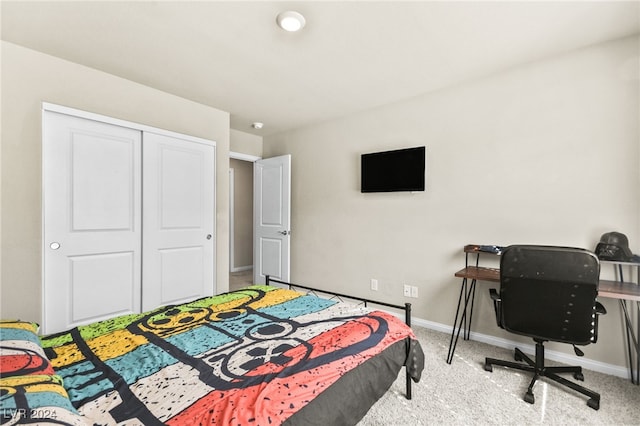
(606,288)
(609,289)
(619,290)
(479,273)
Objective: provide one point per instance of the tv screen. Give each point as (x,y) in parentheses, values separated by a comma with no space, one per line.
(390,171)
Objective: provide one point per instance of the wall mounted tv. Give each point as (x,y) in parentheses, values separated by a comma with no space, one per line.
(391,171)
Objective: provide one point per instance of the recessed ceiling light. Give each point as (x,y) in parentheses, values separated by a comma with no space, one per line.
(290,21)
(257,125)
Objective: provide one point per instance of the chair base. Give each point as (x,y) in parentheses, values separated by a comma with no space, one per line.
(538,369)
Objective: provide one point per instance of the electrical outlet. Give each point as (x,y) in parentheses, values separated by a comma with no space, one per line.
(374,284)
(414,291)
(407,290)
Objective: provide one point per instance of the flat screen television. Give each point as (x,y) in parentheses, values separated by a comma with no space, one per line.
(391,171)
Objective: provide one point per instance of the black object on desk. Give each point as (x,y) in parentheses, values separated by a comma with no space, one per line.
(491,249)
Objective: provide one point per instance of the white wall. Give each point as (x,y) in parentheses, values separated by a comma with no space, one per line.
(245,143)
(28,79)
(546,153)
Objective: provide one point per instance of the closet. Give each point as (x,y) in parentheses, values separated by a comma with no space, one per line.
(128,217)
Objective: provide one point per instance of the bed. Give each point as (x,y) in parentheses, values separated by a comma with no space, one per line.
(264,355)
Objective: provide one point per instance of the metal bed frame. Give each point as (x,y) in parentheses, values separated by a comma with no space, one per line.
(406,308)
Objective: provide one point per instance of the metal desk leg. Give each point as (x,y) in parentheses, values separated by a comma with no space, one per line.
(633,342)
(469,292)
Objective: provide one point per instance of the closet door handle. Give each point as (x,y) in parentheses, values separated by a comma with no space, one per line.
(54,245)
(209,236)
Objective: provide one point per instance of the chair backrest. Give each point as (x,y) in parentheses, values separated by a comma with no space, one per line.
(549,293)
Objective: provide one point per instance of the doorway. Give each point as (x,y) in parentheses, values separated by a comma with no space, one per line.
(259,190)
(240,222)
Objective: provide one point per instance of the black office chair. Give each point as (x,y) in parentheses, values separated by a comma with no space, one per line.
(549,294)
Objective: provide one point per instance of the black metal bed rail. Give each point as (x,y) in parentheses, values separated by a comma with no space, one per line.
(406,308)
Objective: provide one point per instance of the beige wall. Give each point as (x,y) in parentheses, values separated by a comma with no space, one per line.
(243,214)
(28,79)
(543,153)
(246,143)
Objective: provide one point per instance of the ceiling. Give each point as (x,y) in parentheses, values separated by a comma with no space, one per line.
(350,57)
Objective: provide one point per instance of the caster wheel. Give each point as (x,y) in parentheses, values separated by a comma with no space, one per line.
(488,367)
(528,397)
(578,376)
(595,404)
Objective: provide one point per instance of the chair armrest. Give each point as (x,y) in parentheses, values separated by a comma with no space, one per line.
(497,305)
(600,309)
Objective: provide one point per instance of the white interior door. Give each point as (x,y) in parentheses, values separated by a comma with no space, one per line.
(272,218)
(91,214)
(178,220)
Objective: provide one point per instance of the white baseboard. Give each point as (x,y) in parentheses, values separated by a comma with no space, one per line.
(589,364)
(241,268)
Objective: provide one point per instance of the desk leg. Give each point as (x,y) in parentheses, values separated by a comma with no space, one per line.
(467,328)
(468,291)
(636,341)
(633,343)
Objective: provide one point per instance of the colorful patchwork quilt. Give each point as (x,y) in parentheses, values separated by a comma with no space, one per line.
(30,389)
(259,356)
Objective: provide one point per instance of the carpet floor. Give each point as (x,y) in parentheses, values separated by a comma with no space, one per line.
(464,393)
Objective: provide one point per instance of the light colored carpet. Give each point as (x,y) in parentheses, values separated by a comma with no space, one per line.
(464,393)
(242,279)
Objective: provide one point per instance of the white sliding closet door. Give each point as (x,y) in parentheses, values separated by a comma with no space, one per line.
(178,220)
(91,212)
(128,218)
